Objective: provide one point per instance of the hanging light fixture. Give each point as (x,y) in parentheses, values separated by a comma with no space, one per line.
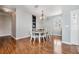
(42,17)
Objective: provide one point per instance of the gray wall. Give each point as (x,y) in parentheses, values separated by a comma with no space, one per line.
(53,25)
(5,25)
(66,32)
(23,23)
(13,25)
(66,27)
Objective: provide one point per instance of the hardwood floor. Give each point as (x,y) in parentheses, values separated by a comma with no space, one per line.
(33,48)
(7,45)
(24,46)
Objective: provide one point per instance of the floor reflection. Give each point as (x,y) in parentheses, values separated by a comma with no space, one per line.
(53,45)
(57,46)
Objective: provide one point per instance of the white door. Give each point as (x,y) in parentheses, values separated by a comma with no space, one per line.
(74,27)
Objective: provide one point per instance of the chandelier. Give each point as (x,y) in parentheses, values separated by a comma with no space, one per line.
(42,17)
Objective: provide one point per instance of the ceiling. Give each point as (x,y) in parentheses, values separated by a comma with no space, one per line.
(7,10)
(12,7)
(49,10)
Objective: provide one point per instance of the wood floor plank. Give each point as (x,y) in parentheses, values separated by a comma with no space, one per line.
(9,45)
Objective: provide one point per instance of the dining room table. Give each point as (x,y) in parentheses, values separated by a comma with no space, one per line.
(41,33)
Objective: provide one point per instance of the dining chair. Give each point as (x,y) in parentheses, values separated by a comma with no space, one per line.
(34,36)
(43,36)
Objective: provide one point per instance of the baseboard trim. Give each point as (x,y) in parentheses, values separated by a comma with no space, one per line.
(22,37)
(74,44)
(5,35)
(56,35)
(13,37)
(8,35)
(69,43)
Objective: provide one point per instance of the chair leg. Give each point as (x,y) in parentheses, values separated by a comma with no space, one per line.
(34,40)
(44,39)
(30,40)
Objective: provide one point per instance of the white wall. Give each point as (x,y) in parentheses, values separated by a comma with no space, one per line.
(23,23)
(5,25)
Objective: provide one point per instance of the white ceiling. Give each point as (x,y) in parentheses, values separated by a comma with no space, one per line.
(13,7)
(49,10)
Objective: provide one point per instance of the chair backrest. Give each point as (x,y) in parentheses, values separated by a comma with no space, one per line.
(42,33)
(37,34)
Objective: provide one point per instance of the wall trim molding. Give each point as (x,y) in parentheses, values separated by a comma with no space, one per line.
(57,34)
(70,43)
(13,37)
(75,44)
(67,42)
(17,38)
(5,35)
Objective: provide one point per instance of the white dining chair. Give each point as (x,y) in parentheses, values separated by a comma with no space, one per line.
(34,36)
(43,36)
